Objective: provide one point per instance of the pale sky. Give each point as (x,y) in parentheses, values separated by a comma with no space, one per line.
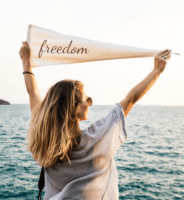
(151,24)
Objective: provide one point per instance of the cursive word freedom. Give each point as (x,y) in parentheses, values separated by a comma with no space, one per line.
(60,49)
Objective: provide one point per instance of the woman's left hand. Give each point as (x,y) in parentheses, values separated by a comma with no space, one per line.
(25,52)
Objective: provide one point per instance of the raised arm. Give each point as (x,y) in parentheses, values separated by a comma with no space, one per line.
(30,81)
(142,88)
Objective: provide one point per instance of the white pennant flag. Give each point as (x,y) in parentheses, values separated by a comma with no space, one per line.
(52,48)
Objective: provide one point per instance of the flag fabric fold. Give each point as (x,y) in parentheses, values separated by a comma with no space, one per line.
(52,48)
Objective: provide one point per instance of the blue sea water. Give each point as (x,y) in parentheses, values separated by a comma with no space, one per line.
(150,163)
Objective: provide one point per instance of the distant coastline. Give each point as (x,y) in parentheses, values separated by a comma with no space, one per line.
(3,102)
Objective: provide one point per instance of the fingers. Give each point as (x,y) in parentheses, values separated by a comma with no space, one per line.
(166,53)
(163,53)
(25,44)
(167,57)
(166,50)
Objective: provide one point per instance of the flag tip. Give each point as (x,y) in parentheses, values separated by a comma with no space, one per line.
(176,53)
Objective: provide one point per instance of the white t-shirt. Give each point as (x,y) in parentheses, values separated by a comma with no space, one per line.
(92,174)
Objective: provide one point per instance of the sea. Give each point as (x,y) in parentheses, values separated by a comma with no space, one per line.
(150,163)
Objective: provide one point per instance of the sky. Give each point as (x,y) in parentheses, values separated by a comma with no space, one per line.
(149,24)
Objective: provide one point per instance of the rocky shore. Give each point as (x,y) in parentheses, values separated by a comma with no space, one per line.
(3,102)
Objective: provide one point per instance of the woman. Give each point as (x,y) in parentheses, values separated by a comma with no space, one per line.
(79,164)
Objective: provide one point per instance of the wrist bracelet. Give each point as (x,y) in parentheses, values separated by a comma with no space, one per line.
(27,72)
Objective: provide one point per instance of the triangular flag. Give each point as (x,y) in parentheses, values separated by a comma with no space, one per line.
(51,48)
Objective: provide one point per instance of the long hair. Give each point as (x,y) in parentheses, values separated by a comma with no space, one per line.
(54,128)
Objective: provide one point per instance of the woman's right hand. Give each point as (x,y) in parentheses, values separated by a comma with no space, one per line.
(160,62)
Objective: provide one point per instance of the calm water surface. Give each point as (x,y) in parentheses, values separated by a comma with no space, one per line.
(150,163)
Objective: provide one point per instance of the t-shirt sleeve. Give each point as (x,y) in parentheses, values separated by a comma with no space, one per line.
(120,121)
(109,132)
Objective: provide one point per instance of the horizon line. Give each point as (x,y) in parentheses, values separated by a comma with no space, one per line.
(114,104)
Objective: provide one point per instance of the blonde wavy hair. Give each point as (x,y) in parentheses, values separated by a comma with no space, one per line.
(54,128)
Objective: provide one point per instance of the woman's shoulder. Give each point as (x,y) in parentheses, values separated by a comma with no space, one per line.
(101,125)
(106,120)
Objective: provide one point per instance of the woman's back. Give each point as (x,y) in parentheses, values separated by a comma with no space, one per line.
(92,173)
